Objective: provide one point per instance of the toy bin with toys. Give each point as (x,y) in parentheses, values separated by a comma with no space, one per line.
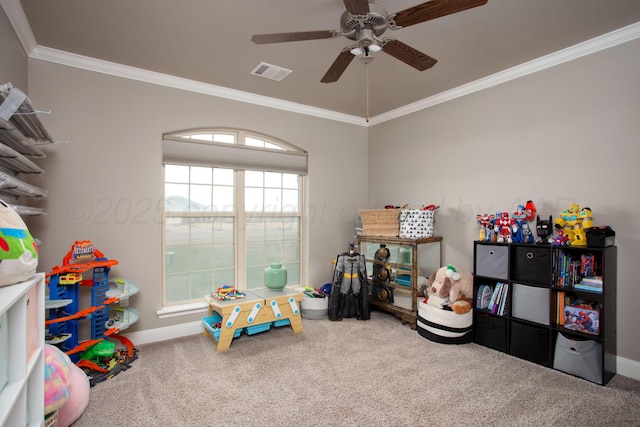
(444,326)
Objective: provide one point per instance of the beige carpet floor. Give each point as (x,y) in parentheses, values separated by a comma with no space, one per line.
(349,373)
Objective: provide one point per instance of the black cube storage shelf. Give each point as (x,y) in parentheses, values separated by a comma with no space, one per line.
(531,326)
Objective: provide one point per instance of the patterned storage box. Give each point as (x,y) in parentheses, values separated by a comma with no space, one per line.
(416,223)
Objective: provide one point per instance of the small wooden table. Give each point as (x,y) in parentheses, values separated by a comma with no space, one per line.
(260,306)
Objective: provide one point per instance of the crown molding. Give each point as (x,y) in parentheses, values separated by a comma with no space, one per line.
(125,71)
(21,26)
(588,47)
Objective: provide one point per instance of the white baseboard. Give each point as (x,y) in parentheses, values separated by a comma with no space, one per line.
(626,367)
(168,332)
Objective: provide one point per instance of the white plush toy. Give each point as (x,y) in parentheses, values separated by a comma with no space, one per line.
(18,250)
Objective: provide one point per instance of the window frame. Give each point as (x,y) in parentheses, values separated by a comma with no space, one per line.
(295,157)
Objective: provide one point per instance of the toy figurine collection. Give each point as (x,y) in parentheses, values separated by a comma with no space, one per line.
(570,225)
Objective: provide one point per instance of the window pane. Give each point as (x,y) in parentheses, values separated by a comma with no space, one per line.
(223,231)
(293,272)
(274,228)
(200,175)
(201,257)
(253,142)
(291,250)
(222,199)
(223,256)
(177,288)
(272,200)
(224,277)
(254,179)
(201,230)
(201,284)
(253,201)
(176,197)
(201,198)
(290,201)
(272,146)
(255,277)
(224,137)
(273,180)
(291,228)
(223,176)
(255,229)
(203,137)
(289,180)
(175,173)
(255,253)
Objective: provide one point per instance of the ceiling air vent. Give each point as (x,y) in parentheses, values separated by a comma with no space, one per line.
(269,71)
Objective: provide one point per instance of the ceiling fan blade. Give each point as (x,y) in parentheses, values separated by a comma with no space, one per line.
(357,7)
(337,68)
(409,55)
(432,10)
(292,37)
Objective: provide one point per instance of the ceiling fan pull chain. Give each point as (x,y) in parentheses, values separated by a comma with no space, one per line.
(367,67)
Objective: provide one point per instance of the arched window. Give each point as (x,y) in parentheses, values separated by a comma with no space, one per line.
(233,204)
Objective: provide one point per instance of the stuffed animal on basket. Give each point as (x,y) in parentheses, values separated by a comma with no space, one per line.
(449,286)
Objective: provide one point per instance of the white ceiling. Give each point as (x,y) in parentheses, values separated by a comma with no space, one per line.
(209,41)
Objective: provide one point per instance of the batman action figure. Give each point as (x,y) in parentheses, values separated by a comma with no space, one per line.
(350,289)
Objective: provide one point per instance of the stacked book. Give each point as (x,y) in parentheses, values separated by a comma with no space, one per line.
(499,302)
(591,284)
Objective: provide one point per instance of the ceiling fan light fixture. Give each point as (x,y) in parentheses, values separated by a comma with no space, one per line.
(357,50)
(374,47)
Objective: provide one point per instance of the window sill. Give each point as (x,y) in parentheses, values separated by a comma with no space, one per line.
(182,310)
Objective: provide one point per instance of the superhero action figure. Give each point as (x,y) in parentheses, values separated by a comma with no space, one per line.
(350,289)
(503,227)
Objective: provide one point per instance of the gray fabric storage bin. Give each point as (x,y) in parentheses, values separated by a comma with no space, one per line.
(580,358)
(492,261)
(530,303)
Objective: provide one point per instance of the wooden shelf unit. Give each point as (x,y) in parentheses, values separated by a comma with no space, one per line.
(392,296)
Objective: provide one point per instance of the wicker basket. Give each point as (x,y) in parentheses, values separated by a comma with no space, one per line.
(380,222)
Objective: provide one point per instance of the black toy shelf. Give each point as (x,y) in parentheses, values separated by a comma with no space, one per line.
(551,305)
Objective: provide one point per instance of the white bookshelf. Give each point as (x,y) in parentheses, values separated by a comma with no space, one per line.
(22,353)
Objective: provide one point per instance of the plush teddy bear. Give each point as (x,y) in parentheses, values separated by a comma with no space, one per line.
(448,286)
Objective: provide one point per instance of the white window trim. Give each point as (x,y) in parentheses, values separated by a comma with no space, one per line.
(169,142)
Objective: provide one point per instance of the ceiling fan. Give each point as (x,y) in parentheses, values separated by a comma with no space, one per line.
(365,23)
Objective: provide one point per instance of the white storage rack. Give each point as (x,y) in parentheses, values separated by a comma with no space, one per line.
(22,308)
(21,135)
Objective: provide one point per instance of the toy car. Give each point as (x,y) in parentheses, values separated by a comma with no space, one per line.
(70,278)
(561,239)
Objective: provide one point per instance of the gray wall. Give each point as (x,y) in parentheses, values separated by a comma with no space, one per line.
(105,183)
(13,66)
(566,134)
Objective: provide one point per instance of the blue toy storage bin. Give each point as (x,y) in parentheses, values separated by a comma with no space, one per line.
(209,321)
(255,329)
